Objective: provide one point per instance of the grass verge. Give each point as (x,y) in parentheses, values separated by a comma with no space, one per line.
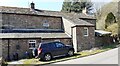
(77,55)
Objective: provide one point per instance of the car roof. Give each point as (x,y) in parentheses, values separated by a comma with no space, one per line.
(48,42)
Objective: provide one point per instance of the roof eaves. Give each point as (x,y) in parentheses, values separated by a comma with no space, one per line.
(83,26)
(34,35)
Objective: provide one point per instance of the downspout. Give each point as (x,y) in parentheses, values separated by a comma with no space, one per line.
(8,50)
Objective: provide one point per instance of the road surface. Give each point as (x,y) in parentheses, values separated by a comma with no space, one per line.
(108,57)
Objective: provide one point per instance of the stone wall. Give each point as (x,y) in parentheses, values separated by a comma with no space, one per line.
(85,42)
(24,46)
(65,41)
(103,41)
(19,21)
(0,21)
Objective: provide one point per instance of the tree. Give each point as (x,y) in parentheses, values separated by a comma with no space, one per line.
(76,6)
(66,7)
(110,19)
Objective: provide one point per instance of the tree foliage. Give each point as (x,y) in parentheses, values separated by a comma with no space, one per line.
(66,6)
(76,6)
(110,19)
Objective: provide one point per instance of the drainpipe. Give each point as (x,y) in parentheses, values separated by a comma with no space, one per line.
(8,51)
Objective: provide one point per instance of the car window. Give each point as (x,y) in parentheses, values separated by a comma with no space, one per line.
(44,46)
(58,45)
(51,45)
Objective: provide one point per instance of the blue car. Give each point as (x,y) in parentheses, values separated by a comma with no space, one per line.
(47,51)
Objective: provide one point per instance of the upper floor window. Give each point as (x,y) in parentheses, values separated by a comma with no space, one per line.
(32,44)
(45,24)
(7,26)
(85,32)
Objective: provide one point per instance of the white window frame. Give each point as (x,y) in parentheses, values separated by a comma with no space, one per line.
(30,42)
(85,28)
(46,24)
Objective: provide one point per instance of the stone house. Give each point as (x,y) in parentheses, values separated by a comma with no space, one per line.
(22,29)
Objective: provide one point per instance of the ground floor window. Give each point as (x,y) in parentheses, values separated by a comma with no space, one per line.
(32,44)
(85,31)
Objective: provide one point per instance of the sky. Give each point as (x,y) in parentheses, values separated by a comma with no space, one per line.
(54,5)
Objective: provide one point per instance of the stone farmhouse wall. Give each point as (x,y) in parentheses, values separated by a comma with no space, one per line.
(21,21)
(85,42)
(24,45)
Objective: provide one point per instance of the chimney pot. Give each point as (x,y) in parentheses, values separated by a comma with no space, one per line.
(32,5)
(84,11)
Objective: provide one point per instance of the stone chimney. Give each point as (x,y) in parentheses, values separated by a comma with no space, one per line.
(32,5)
(84,11)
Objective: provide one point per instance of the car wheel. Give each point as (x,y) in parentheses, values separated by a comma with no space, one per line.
(47,57)
(70,52)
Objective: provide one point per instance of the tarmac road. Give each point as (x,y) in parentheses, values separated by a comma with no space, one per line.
(108,57)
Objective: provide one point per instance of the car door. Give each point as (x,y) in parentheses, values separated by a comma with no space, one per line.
(61,48)
(52,49)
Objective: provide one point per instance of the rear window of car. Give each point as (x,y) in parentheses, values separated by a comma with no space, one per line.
(44,45)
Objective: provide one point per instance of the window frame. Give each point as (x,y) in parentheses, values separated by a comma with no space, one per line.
(30,42)
(87,34)
(46,24)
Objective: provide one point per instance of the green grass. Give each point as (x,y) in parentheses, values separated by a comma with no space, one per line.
(77,55)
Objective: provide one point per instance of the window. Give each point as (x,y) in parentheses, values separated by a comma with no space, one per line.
(58,45)
(32,44)
(85,31)
(45,24)
(51,45)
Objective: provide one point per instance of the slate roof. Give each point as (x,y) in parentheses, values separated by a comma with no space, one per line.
(73,17)
(34,35)
(78,22)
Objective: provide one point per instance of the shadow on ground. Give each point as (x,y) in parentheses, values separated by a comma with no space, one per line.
(63,58)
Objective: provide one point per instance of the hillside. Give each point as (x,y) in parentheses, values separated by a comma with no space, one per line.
(107,8)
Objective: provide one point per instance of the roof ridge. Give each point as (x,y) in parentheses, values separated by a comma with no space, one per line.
(27,8)
(14,7)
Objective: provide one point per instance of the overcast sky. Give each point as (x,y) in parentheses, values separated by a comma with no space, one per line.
(54,5)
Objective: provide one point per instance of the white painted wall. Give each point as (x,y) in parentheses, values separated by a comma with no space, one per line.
(70,31)
(67,26)
(75,39)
